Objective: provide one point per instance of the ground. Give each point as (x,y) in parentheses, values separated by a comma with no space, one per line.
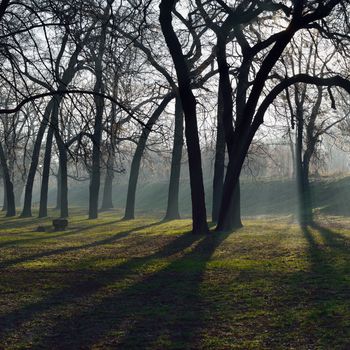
(146,284)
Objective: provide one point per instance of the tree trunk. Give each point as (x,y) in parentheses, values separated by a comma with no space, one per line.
(97,135)
(4,205)
(136,161)
(199,215)
(133,178)
(234,167)
(62,151)
(64,177)
(59,186)
(172,212)
(107,202)
(231,204)
(234,219)
(96,160)
(46,175)
(10,197)
(302,179)
(219,165)
(27,204)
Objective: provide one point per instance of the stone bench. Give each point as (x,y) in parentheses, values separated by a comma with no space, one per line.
(60,224)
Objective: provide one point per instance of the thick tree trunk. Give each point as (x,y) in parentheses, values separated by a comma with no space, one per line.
(231,204)
(64,177)
(219,165)
(133,178)
(234,221)
(99,103)
(233,171)
(10,197)
(199,215)
(136,161)
(172,212)
(46,175)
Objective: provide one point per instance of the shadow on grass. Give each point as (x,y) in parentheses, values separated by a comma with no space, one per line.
(159,309)
(46,253)
(328,285)
(53,234)
(17,222)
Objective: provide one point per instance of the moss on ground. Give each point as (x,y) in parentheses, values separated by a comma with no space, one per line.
(145,284)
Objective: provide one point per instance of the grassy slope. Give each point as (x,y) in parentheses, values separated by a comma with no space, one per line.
(148,285)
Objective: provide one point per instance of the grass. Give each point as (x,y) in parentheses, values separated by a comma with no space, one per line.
(145,284)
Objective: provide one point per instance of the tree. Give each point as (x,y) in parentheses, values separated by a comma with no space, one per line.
(300,16)
(188,101)
(309,110)
(99,103)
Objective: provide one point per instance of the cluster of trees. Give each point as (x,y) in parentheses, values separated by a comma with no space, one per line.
(83,83)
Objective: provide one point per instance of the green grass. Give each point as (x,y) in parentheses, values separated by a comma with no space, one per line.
(145,284)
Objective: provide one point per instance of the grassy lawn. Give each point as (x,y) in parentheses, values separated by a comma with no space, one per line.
(145,284)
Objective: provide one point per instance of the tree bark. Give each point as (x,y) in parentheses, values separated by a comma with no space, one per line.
(58,190)
(233,171)
(172,212)
(62,151)
(234,221)
(64,177)
(10,197)
(97,135)
(94,187)
(199,215)
(219,165)
(46,175)
(107,201)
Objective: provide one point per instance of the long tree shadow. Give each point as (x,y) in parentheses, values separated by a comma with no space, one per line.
(43,237)
(50,234)
(46,253)
(86,285)
(172,312)
(164,304)
(164,309)
(17,222)
(328,284)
